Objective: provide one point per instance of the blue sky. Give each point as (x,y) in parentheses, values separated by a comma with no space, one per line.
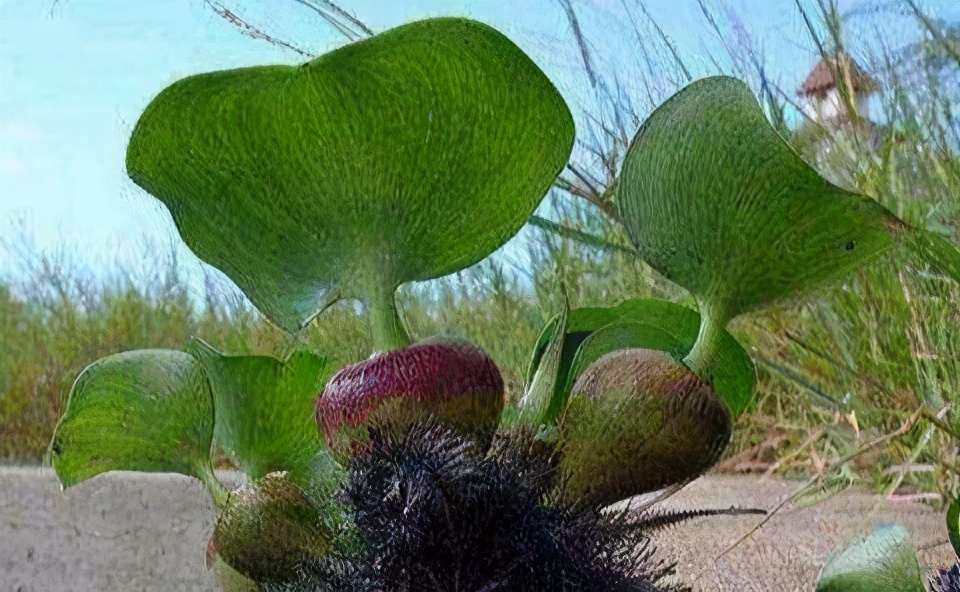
(74,76)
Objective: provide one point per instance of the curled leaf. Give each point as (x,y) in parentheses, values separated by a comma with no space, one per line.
(540,404)
(264,407)
(645,323)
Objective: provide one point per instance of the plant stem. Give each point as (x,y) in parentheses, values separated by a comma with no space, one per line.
(385,325)
(217,491)
(703,357)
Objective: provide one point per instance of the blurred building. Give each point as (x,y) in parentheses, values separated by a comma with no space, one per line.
(824,101)
(829,115)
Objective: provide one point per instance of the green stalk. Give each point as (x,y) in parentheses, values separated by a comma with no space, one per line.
(703,357)
(385,325)
(218,492)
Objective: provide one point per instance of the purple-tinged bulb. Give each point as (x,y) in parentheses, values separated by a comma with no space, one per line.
(637,420)
(453,380)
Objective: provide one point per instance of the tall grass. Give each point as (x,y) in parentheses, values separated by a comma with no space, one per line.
(882,345)
(837,370)
(56,318)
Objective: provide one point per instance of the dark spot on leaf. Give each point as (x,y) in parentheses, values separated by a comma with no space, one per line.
(849,246)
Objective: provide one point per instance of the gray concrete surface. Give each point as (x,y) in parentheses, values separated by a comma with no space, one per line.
(133,532)
(786,554)
(123,531)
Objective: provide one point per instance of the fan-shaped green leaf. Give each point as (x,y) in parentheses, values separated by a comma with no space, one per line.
(402,157)
(264,407)
(718,202)
(144,410)
(885,560)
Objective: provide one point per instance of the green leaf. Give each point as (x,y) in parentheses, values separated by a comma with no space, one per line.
(953,525)
(885,560)
(144,410)
(264,407)
(403,157)
(540,347)
(539,405)
(718,202)
(767,225)
(585,320)
(648,323)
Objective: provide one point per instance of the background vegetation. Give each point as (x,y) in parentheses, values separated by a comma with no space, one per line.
(857,384)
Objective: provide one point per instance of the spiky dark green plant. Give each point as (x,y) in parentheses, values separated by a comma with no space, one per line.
(434,514)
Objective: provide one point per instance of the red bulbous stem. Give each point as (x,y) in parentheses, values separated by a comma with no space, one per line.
(428,373)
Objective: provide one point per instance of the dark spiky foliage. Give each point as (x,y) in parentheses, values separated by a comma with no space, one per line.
(947,580)
(653,519)
(432,513)
(436,515)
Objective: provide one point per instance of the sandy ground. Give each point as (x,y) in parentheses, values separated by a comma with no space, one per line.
(786,554)
(135,532)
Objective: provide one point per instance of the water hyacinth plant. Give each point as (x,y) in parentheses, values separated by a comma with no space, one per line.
(408,156)
(390,160)
(718,202)
(611,381)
